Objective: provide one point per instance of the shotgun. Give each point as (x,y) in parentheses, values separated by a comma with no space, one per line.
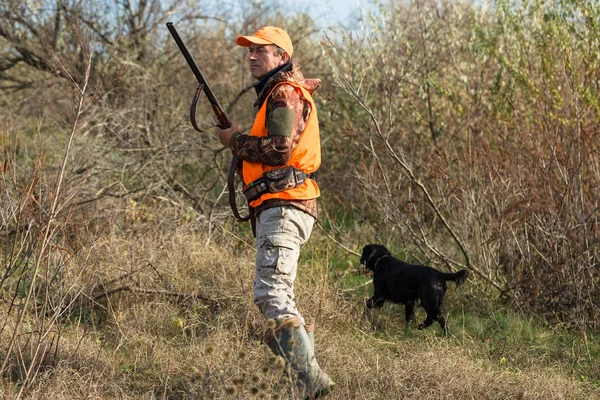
(224,121)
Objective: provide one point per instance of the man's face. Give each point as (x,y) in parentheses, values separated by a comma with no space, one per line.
(263,59)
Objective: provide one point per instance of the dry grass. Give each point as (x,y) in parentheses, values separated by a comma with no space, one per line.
(123,278)
(145,346)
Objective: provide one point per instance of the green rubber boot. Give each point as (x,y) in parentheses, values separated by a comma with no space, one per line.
(310,331)
(291,341)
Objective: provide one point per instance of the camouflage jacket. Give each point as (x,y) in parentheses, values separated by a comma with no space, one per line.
(287,114)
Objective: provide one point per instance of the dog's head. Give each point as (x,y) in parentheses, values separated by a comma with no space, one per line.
(370,254)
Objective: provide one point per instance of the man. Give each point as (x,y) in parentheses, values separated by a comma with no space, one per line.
(279,158)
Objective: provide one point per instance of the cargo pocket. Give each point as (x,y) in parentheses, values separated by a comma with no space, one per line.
(278,257)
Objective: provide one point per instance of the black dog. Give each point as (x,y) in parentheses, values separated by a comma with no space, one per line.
(403,283)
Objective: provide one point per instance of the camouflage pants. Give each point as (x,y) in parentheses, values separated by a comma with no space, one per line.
(281,233)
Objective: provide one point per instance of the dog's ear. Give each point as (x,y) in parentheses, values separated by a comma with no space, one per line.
(364,254)
(367,253)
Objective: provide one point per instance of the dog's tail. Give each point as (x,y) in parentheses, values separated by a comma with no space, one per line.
(458,277)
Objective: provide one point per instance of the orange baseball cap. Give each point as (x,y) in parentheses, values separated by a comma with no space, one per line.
(268,35)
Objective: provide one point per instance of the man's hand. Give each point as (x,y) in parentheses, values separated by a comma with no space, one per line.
(226,134)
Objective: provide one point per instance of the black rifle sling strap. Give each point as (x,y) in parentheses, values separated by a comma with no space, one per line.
(234,161)
(231,190)
(193,107)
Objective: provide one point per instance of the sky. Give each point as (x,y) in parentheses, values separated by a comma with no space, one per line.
(328,12)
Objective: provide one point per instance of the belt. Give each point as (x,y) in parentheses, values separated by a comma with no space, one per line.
(275,181)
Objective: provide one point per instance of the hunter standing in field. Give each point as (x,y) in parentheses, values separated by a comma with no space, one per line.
(279,158)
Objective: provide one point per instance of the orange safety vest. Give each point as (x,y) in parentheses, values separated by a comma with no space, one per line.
(306,156)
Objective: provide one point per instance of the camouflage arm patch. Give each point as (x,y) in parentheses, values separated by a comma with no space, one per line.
(282,122)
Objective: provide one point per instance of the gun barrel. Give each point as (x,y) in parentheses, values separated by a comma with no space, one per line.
(224,121)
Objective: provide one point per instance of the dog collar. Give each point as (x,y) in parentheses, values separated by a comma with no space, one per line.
(377,261)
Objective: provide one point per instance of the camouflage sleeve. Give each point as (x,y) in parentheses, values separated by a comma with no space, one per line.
(287,113)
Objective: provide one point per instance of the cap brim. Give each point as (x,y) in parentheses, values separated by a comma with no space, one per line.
(246,41)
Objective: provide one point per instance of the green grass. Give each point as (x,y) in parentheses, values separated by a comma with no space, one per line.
(494,331)
(507,338)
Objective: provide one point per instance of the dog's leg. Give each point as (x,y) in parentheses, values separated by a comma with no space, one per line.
(430,304)
(442,321)
(368,310)
(370,306)
(375,302)
(428,321)
(431,318)
(409,312)
(368,314)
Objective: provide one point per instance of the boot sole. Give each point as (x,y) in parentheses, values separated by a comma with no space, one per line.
(321,392)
